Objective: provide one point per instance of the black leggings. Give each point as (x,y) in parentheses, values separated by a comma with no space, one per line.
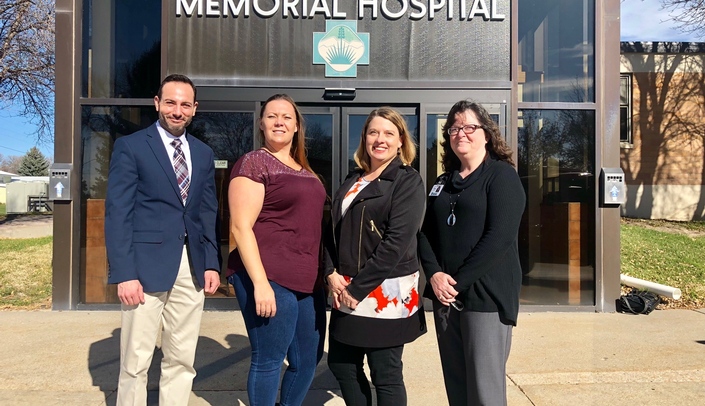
(345,361)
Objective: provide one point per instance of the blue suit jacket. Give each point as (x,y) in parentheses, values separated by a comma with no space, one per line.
(145,220)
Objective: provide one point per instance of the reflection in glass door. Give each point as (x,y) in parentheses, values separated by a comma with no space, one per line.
(333,135)
(320,124)
(230,135)
(556,160)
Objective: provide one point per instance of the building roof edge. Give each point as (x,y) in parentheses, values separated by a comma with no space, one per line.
(661,47)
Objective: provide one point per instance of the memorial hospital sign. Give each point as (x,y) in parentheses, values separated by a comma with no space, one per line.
(340,43)
(468,10)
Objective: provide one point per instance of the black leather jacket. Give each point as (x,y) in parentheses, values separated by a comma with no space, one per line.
(376,239)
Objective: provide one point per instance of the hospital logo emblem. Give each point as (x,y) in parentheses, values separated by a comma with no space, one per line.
(341,48)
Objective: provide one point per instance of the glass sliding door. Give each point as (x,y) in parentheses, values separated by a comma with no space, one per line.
(333,135)
(320,123)
(556,159)
(230,136)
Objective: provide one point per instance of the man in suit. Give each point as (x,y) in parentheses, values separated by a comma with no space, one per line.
(160,234)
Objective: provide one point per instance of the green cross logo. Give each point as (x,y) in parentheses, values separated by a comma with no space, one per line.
(341,48)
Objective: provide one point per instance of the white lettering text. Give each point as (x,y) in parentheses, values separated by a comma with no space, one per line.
(291,5)
(488,10)
(433,7)
(319,6)
(495,16)
(392,15)
(336,13)
(361,4)
(188,8)
(479,8)
(421,7)
(212,8)
(263,13)
(229,6)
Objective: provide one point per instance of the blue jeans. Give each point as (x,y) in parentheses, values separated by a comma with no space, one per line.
(296,332)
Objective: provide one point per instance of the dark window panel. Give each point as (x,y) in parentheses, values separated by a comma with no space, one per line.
(121,48)
(556,51)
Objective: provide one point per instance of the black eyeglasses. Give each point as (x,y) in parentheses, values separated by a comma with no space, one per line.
(467,129)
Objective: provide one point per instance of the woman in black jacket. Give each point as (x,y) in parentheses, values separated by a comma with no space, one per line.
(372,266)
(468,249)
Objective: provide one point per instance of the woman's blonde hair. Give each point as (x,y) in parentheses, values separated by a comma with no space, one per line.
(407,152)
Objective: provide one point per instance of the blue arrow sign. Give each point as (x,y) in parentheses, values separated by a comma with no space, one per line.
(59,188)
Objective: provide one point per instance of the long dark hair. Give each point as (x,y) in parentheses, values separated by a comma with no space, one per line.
(298,144)
(495,142)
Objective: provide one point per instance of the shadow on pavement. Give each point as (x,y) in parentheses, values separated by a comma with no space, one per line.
(219,368)
(25,218)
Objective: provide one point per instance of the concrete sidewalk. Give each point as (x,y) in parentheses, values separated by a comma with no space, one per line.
(71,358)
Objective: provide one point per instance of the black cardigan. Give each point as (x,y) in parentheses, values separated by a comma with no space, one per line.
(394,203)
(480,251)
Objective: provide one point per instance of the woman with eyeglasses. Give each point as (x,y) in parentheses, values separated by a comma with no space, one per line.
(468,249)
(372,266)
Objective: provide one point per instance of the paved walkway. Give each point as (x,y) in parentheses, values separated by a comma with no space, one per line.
(71,358)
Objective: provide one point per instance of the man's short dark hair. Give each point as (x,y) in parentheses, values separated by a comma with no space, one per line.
(177,78)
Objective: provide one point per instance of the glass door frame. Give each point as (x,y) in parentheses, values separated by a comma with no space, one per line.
(334,112)
(340,121)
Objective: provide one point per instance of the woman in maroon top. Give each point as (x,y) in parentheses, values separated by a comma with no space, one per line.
(276,205)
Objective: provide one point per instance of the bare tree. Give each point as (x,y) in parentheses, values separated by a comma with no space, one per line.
(689,14)
(10,163)
(27,61)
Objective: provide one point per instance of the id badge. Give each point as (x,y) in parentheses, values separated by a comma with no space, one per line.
(436,190)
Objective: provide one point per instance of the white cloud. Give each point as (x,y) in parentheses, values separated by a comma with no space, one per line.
(643,20)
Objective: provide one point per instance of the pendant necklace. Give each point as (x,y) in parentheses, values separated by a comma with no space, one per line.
(451,217)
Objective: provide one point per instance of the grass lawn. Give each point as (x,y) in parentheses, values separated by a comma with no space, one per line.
(25,273)
(667,252)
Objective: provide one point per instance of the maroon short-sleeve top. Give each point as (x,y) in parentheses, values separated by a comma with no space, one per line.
(288,229)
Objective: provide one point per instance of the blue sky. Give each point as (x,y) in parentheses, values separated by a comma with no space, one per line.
(16,134)
(643,20)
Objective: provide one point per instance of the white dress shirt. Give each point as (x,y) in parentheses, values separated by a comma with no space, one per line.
(167,138)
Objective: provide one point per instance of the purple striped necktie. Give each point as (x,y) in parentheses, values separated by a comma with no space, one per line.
(181,169)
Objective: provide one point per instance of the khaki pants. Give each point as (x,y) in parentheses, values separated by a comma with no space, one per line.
(179,311)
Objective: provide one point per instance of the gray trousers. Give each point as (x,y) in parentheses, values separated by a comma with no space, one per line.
(474,349)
